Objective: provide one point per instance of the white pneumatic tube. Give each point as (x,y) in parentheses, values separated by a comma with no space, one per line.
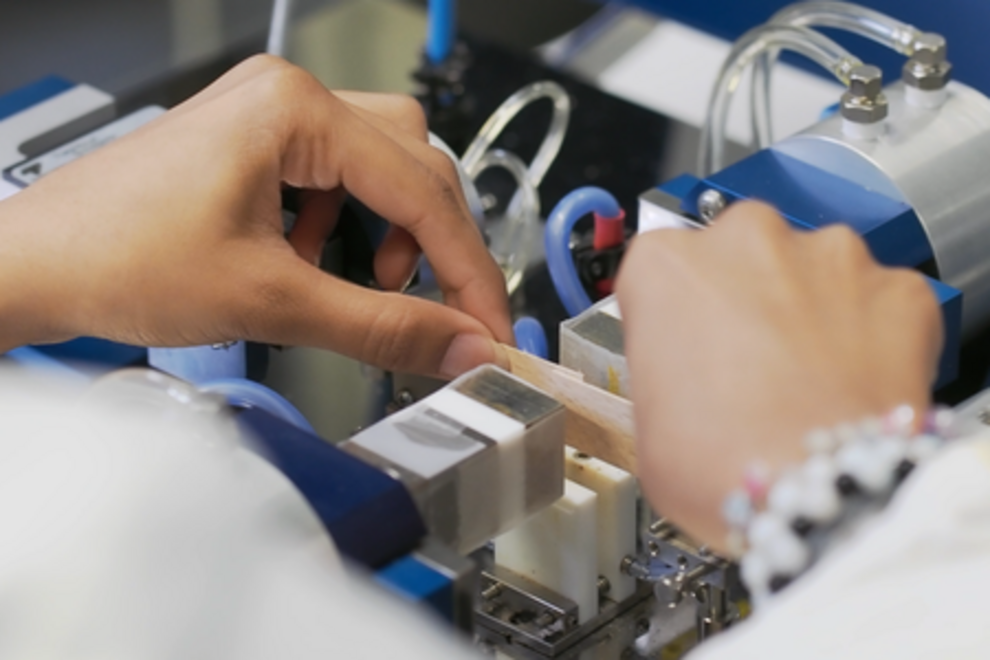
(883,29)
(508,243)
(507,112)
(813,45)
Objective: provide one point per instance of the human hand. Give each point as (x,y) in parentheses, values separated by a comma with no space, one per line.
(742,338)
(173,235)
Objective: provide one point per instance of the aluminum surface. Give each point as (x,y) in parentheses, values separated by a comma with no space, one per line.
(935,160)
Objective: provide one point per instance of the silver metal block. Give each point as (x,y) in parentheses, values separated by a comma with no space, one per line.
(478,457)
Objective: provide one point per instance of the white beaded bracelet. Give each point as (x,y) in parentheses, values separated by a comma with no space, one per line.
(780,528)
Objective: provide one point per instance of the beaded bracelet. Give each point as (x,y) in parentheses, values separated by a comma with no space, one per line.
(781,528)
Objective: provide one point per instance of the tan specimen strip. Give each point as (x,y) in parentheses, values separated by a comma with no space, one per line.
(599,423)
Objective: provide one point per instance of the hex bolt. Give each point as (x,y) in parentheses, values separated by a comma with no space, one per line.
(866,81)
(710,204)
(930,48)
(928,68)
(865,102)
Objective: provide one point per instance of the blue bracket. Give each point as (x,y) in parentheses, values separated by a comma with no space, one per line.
(370,516)
(811,199)
(417,582)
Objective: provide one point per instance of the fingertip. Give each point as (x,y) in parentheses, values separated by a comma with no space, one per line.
(468,351)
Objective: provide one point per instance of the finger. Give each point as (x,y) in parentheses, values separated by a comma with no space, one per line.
(404,112)
(317,218)
(750,216)
(244,72)
(396,259)
(422,150)
(399,333)
(327,145)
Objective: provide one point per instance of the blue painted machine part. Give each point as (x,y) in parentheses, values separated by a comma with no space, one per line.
(22,98)
(198,364)
(441,29)
(244,393)
(370,516)
(85,356)
(413,580)
(810,198)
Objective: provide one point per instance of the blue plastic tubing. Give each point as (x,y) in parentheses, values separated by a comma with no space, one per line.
(557,239)
(441,30)
(249,394)
(530,337)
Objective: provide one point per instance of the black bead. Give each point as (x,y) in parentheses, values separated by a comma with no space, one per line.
(802,526)
(903,469)
(847,485)
(778,582)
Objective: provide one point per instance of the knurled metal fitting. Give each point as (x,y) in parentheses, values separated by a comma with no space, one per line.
(865,102)
(928,69)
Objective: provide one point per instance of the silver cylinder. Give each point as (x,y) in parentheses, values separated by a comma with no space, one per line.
(935,160)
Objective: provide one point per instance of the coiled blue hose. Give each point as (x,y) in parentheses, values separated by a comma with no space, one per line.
(557,239)
(441,30)
(531,337)
(249,394)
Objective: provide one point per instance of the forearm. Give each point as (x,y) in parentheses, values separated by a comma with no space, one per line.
(30,310)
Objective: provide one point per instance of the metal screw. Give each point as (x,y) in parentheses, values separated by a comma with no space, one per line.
(865,102)
(710,204)
(492,592)
(928,69)
(604,586)
(404,398)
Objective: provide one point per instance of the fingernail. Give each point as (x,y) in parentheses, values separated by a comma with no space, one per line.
(469,351)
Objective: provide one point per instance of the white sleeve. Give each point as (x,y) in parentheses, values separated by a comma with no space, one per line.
(911,584)
(124,537)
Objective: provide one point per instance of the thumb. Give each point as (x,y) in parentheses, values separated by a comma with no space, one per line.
(385,329)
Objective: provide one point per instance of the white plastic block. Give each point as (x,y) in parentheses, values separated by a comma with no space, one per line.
(616,536)
(557,549)
(592,343)
(652,217)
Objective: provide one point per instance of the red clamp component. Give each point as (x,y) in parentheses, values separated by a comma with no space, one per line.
(610,232)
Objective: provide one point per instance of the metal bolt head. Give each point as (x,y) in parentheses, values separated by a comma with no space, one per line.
(866,81)
(928,78)
(928,69)
(865,102)
(930,48)
(862,110)
(404,398)
(710,204)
